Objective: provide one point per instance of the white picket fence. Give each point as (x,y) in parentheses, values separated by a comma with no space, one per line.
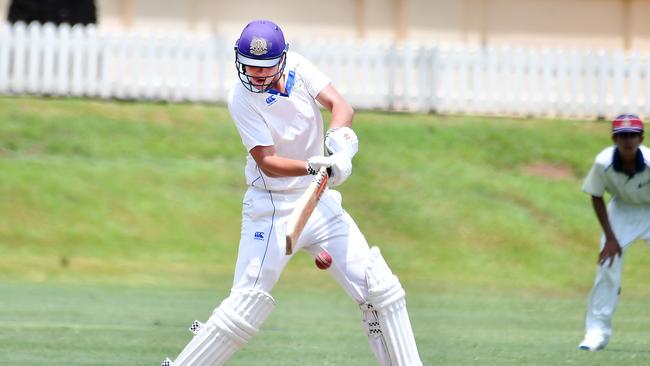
(82,61)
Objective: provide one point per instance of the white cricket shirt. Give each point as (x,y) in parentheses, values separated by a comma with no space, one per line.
(293,123)
(628,189)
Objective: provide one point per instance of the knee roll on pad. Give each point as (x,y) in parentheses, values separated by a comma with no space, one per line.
(230,327)
(385,316)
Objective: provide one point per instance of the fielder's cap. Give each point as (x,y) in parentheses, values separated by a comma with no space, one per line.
(261,44)
(627,123)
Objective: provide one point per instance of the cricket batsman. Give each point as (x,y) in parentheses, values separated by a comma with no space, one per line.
(622,170)
(277,113)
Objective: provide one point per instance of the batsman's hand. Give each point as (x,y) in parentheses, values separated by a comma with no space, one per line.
(339,164)
(609,252)
(342,140)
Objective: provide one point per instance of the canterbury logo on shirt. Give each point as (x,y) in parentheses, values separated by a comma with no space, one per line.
(271,99)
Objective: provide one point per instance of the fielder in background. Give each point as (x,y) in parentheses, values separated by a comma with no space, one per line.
(623,170)
(276,110)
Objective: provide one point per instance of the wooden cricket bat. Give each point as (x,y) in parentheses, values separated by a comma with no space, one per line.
(304,208)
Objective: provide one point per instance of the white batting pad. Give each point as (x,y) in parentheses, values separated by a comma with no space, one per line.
(385,316)
(230,327)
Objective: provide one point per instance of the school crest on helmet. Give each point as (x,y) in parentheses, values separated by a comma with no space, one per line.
(258,46)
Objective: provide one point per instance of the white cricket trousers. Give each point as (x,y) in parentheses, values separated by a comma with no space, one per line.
(261,257)
(629,223)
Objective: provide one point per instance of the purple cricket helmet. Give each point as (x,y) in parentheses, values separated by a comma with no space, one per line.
(261,44)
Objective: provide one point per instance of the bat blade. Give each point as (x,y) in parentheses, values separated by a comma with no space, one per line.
(306,205)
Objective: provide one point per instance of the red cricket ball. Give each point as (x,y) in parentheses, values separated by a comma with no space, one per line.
(323,260)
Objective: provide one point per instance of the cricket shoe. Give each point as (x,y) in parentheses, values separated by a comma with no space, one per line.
(167,362)
(593,343)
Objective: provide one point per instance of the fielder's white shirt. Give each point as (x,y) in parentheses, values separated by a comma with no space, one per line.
(603,177)
(293,124)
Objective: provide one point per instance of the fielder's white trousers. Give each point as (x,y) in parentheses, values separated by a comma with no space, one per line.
(629,223)
(261,257)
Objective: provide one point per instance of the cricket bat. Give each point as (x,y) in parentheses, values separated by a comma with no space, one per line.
(304,208)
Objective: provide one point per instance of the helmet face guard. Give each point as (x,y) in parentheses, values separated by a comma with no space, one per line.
(270,79)
(260,45)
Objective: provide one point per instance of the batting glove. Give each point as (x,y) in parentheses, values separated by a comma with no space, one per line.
(342,140)
(339,165)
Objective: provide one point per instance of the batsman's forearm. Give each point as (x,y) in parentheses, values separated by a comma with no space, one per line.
(276,166)
(342,114)
(601,212)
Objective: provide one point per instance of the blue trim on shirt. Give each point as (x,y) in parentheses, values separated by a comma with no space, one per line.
(638,167)
(291,80)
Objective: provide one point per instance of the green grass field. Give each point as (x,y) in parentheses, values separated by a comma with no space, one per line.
(119,225)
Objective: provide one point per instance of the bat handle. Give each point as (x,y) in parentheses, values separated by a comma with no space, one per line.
(289,248)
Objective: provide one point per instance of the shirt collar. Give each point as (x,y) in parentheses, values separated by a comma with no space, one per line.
(288,85)
(639,165)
